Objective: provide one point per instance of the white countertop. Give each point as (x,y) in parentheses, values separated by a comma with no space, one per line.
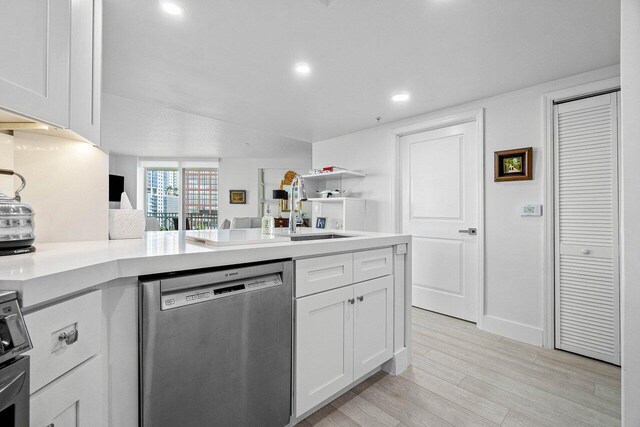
(242,236)
(57,269)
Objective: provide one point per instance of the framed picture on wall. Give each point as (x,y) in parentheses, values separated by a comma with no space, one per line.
(321,222)
(238,197)
(513,165)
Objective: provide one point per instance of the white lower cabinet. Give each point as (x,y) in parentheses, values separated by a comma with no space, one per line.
(73,400)
(341,335)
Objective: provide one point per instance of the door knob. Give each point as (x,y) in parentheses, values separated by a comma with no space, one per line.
(361,298)
(470,231)
(586,251)
(351,300)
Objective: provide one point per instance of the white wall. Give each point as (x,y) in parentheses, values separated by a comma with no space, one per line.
(630,82)
(126,166)
(514,244)
(242,174)
(67,186)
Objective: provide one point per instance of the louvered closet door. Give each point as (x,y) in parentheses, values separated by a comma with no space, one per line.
(586,221)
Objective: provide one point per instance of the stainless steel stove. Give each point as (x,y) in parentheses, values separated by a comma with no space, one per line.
(14,368)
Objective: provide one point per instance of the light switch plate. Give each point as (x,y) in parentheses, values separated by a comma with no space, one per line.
(530,209)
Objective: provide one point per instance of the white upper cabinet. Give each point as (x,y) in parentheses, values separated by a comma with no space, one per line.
(34,71)
(51,70)
(86,66)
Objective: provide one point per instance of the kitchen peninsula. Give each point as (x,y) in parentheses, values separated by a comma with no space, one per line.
(89,291)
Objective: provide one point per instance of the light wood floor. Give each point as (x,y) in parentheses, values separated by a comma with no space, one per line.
(466,377)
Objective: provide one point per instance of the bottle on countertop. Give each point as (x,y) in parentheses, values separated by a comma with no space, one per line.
(268,223)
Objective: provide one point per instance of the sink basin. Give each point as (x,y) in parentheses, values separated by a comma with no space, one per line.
(317,237)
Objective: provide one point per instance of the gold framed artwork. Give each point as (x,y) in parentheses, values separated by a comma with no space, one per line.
(513,165)
(238,197)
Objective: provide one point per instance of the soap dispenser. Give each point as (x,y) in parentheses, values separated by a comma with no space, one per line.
(268,223)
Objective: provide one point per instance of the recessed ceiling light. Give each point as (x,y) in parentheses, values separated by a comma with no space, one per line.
(303,68)
(401,97)
(172,8)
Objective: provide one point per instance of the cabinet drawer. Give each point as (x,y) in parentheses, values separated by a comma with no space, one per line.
(319,274)
(368,265)
(52,356)
(74,400)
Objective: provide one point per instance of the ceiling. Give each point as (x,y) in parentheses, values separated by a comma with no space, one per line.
(232,60)
(140,128)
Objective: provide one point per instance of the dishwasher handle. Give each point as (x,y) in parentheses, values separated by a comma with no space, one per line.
(174,284)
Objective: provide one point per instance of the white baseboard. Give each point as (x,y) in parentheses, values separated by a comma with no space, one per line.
(514,330)
(398,364)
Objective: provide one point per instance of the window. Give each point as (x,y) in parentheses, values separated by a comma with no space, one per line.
(162,197)
(181,197)
(201,198)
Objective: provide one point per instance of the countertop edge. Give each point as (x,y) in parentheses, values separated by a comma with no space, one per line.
(39,289)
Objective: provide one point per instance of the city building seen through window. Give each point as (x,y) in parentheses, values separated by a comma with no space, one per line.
(182,198)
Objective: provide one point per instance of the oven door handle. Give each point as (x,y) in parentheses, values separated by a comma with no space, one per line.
(10,388)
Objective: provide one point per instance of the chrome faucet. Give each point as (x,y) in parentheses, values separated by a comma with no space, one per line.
(297,186)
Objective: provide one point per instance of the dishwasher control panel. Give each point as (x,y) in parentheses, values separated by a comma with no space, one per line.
(206,293)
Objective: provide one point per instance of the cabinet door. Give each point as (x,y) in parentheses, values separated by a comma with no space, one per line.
(373,324)
(34,71)
(324,346)
(74,400)
(86,65)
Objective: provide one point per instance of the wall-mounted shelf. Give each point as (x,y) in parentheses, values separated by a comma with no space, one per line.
(346,213)
(335,175)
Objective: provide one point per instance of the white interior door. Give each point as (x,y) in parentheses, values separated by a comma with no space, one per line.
(586,220)
(440,195)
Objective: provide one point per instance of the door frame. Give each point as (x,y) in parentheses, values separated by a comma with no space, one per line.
(396,133)
(589,89)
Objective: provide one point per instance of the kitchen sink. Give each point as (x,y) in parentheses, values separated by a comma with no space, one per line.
(317,237)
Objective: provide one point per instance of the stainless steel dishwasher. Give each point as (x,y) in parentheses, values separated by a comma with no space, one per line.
(215,347)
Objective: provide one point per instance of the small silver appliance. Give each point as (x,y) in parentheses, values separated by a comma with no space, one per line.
(16,221)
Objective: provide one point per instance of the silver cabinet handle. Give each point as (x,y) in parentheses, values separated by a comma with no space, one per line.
(69,338)
(470,231)
(361,298)
(351,300)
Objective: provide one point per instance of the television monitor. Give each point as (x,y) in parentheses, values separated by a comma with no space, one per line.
(116,187)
